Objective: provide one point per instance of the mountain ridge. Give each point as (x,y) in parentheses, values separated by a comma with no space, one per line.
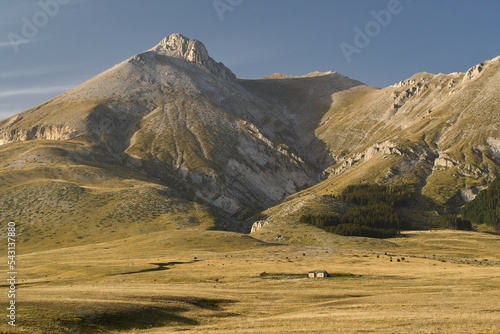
(173,118)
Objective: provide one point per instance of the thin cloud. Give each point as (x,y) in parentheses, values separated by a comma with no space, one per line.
(35,91)
(32,72)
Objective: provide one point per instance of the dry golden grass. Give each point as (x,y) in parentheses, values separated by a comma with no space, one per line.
(214,285)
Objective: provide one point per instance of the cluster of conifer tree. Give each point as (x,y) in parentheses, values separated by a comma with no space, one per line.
(454,222)
(485,208)
(374,218)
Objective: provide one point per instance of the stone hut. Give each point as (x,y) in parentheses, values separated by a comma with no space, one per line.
(315,274)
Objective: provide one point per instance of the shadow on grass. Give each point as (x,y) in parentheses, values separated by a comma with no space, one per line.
(126,319)
(203,303)
(89,317)
(159,267)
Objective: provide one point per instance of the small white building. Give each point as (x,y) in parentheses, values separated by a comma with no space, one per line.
(315,274)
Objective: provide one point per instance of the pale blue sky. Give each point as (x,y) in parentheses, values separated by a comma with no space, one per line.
(254,38)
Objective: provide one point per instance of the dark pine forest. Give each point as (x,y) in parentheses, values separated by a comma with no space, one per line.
(374,216)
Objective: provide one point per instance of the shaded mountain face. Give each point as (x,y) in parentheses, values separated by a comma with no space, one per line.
(173,125)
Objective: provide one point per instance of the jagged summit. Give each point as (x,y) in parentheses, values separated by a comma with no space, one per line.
(192,50)
(177,45)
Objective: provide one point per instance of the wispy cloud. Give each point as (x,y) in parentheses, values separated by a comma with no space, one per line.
(32,71)
(35,90)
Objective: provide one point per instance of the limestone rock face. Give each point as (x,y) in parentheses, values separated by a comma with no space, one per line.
(177,45)
(192,50)
(401,98)
(259,225)
(40,132)
(473,72)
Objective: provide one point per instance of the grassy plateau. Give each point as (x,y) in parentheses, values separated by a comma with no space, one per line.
(201,281)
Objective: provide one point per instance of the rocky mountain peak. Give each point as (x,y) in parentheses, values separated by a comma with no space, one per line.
(192,50)
(177,45)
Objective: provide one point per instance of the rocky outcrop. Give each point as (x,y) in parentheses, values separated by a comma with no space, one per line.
(400,98)
(494,147)
(473,72)
(259,225)
(385,149)
(452,83)
(413,82)
(194,51)
(39,132)
(469,194)
(445,161)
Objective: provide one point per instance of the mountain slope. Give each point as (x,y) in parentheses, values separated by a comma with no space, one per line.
(173,139)
(169,126)
(439,132)
(176,115)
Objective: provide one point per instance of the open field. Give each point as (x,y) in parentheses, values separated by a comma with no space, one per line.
(199,281)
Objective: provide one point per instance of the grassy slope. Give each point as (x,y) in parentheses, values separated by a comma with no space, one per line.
(63,198)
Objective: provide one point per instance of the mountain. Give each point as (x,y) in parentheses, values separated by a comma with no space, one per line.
(170,138)
(436,133)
